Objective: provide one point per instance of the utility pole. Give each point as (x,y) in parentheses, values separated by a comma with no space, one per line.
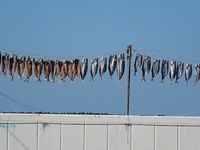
(129,55)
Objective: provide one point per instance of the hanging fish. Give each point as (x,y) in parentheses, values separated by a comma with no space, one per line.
(120,66)
(62,70)
(179,71)
(155,68)
(172,71)
(46,70)
(188,72)
(102,66)
(196,74)
(146,66)
(5,62)
(21,66)
(54,69)
(112,64)
(77,68)
(29,68)
(0,57)
(38,65)
(164,70)
(138,62)
(12,66)
(84,68)
(94,68)
(70,69)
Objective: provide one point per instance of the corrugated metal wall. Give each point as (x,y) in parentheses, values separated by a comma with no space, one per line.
(81,132)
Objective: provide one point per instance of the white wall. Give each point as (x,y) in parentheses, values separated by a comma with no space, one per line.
(98,132)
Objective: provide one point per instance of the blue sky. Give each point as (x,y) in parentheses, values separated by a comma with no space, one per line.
(79,28)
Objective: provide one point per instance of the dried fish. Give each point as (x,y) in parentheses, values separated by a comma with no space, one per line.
(102,66)
(62,70)
(138,62)
(94,68)
(146,66)
(29,69)
(12,66)
(77,68)
(112,64)
(54,69)
(84,68)
(5,62)
(188,72)
(179,71)
(21,66)
(120,66)
(155,68)
(70,69)
(164,70)
(38,65)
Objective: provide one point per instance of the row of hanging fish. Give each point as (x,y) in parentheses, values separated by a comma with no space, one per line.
(174,69)
(66,68)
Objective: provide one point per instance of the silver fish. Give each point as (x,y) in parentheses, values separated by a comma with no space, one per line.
(54,69)
(46,70)
(94,68)
(62,70)
(0,57)
(179,71)
(188,72)
(196,74)
(21,66)
(155,68)
(164,70)
(172,71)
(138,62)
(146,66)
(102,66)
(5,62)
(70,69)
(84,68)
(77,68)
(120,66)
(112,64)
(29,69)
(38,66)
(12,66)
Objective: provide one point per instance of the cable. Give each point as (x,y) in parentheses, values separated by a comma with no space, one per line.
(62,57)
(169,58)
(194,112)
(20,103)
(165,51)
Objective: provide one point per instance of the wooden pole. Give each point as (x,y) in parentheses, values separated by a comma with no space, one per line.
(129,55)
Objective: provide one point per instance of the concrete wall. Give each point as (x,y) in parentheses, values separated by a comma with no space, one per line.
(98,132)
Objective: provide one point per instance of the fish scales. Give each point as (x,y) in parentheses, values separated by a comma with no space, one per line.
(70,69)
(112,64)
(146,66)
(62,70)
(94,68)
(179,71)
(172,71)
(77,68)
(120,66)
(38,66)
(84,68)
(102,66)
(137,62)
(5,62)
(188,73)
(155,68)
(196,74)
(46,70)
(29,68)
(21,66)
(54,69)
(12,66)
(164,70)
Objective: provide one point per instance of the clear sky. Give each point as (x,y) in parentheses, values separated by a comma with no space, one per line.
(79,28)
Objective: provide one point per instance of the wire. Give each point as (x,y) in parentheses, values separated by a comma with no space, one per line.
(20,103)
(165,51)
(169,58)
(62,57)
(190,113)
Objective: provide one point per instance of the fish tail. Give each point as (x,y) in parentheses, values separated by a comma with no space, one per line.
(134,74)
(143,79)
(110,78)
(162,81)
(27,80)
(92,79)
(176,82)
(12,79)
(170,82)
(39,80)
(152,80)
(53,81)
